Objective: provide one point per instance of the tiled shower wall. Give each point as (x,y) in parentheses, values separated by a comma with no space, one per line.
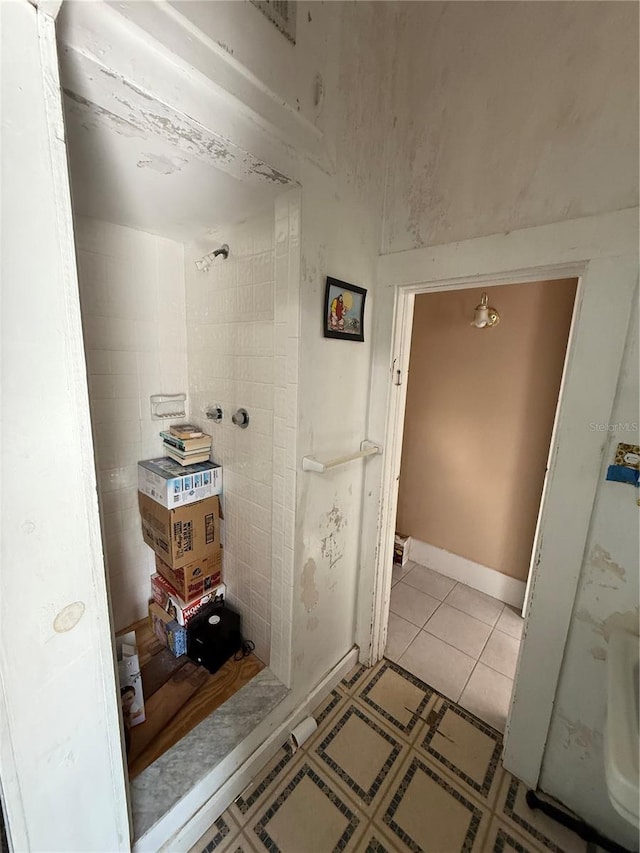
(133,315)
(230,336)
(242,332)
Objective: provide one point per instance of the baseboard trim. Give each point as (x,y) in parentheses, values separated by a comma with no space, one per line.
(479,577)
(198,824)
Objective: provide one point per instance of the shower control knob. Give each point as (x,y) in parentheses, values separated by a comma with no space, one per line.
(241,418)
(215,414)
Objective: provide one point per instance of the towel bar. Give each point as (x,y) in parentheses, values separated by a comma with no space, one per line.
(367,448)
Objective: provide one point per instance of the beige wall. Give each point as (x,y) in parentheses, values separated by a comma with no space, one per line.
(480,409)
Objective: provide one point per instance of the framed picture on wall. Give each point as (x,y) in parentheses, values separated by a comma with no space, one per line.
(343,311)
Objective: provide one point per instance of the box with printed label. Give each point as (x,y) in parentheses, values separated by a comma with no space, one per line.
(182,535)
(401,545)
(172,484)
(166,597)
(195,579)
(167,630)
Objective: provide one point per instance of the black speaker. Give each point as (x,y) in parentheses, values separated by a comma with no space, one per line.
(213,636)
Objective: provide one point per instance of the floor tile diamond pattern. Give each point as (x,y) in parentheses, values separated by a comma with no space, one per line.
(393,767)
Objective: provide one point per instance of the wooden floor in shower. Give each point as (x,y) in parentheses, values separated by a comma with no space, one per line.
(178,694)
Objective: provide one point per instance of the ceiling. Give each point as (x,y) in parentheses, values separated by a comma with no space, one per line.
(140,162)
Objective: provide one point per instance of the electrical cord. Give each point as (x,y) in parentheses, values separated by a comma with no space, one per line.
(246,647)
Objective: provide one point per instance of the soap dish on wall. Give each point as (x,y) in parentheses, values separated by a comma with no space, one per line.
(168,406)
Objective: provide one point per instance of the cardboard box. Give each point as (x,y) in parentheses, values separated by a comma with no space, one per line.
(172,484)
(195,579)
(183,535)
(168,599)
(167,630)
(401,549)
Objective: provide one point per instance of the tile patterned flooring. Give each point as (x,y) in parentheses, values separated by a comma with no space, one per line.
(460,641)
(392,767)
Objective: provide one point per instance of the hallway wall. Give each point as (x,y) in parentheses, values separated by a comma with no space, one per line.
(478,420)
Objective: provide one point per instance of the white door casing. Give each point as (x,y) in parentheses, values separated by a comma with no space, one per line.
(602,252)
(61,755)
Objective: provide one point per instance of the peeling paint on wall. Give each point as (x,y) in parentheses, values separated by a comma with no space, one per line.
(580,736)
(336,519)
(331,548)
(601,561)
(626,621)
(167,125)
(161,164)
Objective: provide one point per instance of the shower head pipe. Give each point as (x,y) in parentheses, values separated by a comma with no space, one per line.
(204,263)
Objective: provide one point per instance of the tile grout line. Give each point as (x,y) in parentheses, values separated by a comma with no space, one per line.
(444,601)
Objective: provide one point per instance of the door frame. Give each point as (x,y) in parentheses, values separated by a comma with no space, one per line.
(602,253)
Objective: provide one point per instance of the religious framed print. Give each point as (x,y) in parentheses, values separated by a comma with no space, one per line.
(343,311)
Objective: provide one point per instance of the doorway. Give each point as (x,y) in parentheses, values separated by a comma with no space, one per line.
(600,251)
(480,408)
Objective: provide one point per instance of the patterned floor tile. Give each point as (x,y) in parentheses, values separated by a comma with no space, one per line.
(539,830)
(374,841)
(503,839)
(465,748)
(426,811)
(307,814)
(393,767)
(261,786)
(219,837)
(359,754)
(354,678)
(398,697)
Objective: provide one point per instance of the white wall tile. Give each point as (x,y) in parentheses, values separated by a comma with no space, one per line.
(132,292)
(229,321)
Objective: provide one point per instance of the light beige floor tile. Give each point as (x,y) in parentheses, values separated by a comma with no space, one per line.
(398,572)
(502,837)
(398,698)
(487,695)
(359,755)
(483,607)
(425,810)
(411,604)
(426,580)
(539,831)
(307,814)
(464,748)
(501,653)
(438,664)
(400,633)
(511,622)
(459,629)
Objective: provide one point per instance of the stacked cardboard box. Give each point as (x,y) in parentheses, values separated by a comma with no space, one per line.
(180,516)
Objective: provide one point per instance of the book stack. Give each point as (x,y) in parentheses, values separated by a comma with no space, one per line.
(186,444)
